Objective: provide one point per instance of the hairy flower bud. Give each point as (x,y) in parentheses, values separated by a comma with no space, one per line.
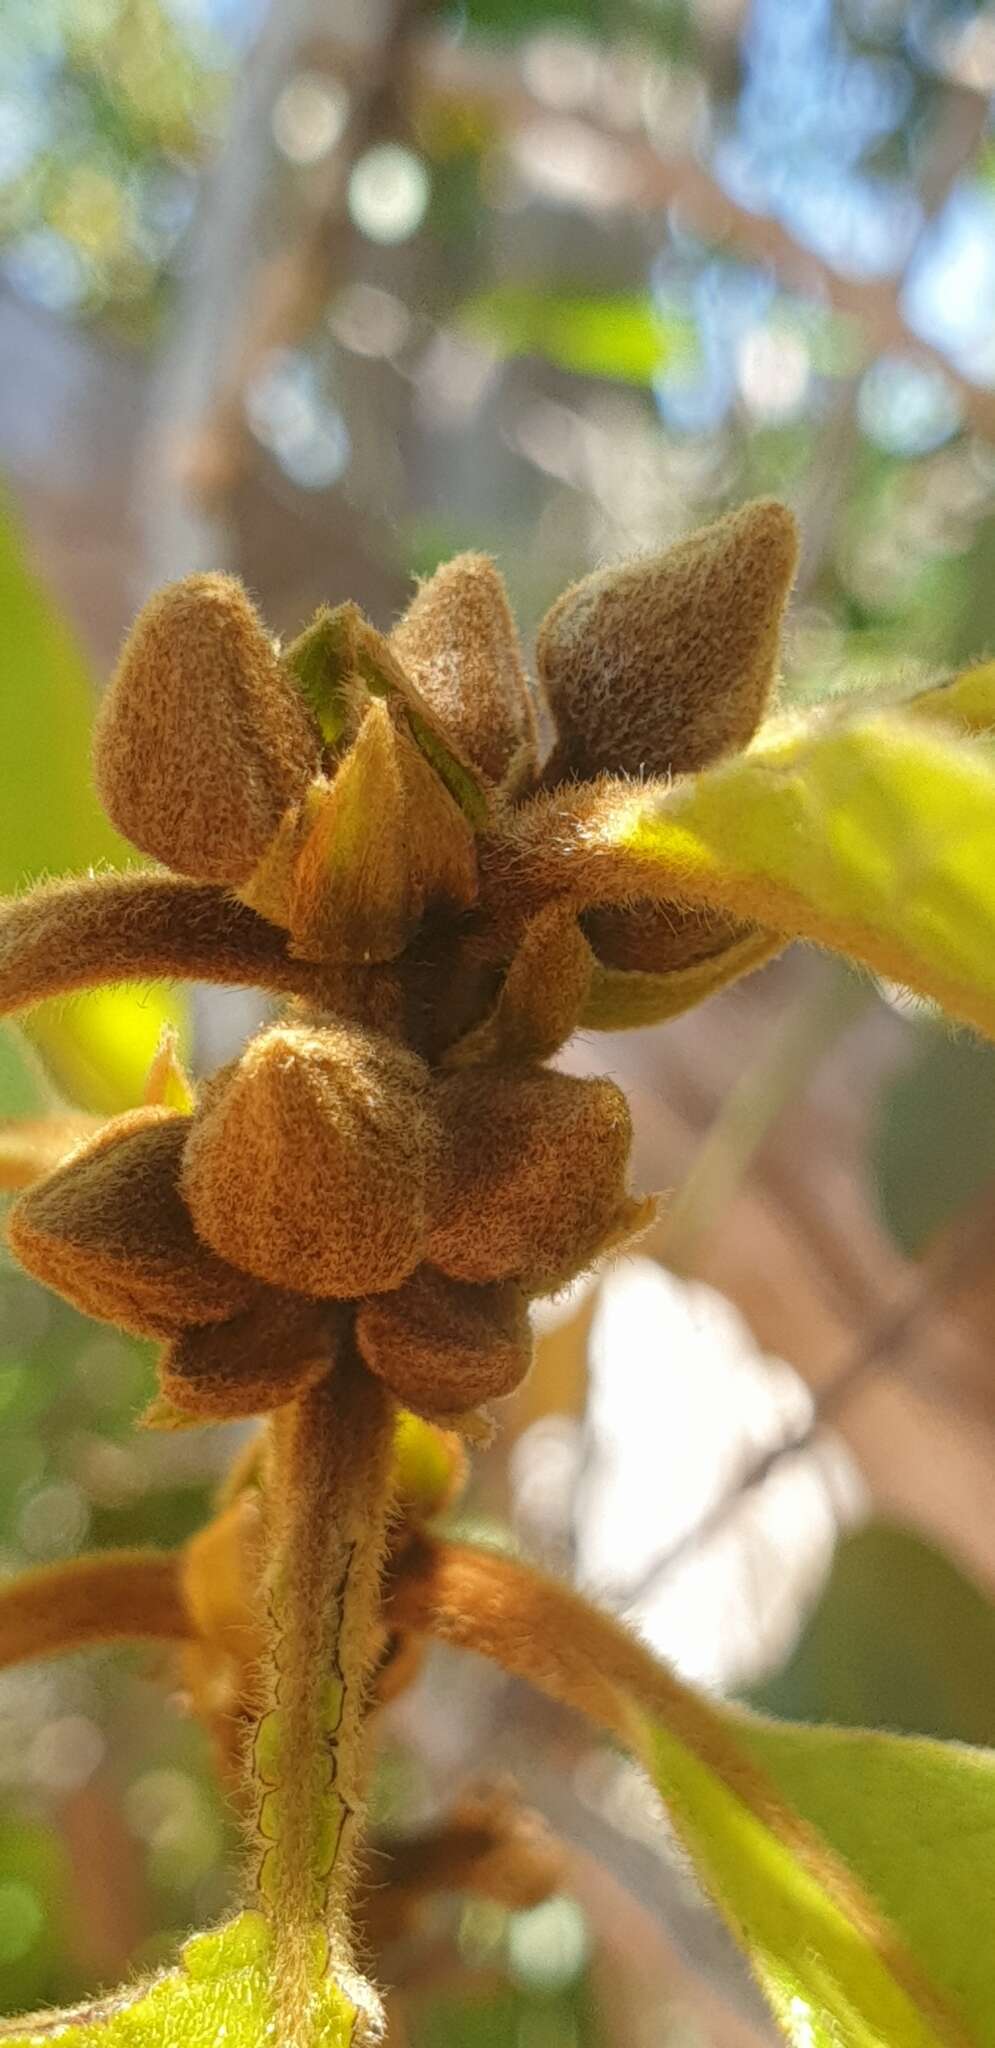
(659,938)
(203,739)
(535,1175)
(279,1345)
(443,1347)
(109,1231)
(458,643)
(310,1161)
(665,664)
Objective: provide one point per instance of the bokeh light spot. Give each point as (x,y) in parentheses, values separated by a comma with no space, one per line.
(309,117)
(907,408)
(548,1945)
(388,193)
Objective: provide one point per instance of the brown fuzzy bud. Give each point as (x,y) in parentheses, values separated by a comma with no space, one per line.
(458,643)
(202,740)
(535,1175)
(663,665)
(542,996)
(310,1161)
(660,938)
(110,1232)
(443,1347)
(281,1344)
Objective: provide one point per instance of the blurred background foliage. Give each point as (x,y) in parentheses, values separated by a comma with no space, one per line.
(322,293)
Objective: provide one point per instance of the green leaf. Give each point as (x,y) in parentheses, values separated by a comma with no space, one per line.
(98,1047)
(853,1868)
(833,1966)
(873,836)
(221,1992)
(320,660)
(916,1821)
(621,336)
(901,1639)
(932,1141)
(515,18)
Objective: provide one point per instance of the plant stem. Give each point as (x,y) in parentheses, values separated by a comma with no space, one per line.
(328,1494)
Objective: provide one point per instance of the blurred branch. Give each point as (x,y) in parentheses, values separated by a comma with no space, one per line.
(285,296)
(648,182)
(964,1250)
(183,536)
(750,1109)
(289,289)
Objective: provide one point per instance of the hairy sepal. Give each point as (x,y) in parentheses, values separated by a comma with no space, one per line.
(353,871)
(110,1232)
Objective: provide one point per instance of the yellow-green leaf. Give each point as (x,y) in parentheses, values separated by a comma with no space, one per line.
(222,1991)
(881,1961)
(622,335)
(854,1868)
(965,702)
(99,1046)
(622,999)
(873,836)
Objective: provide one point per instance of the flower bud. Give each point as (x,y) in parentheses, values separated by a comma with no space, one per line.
(665,664)
(535,1175)
(310,1160)
(443,1348)
(429,1467)
(110,1232)
(278,1346)
(457,642)
(203,739)
(659,938)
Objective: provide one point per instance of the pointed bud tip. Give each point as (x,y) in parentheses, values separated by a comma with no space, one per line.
(763,536)
(662,665)
(459,644)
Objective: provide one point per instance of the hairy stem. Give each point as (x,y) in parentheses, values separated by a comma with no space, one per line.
(328,1493)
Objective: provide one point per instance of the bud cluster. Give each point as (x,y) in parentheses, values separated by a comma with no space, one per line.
(391,1168)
